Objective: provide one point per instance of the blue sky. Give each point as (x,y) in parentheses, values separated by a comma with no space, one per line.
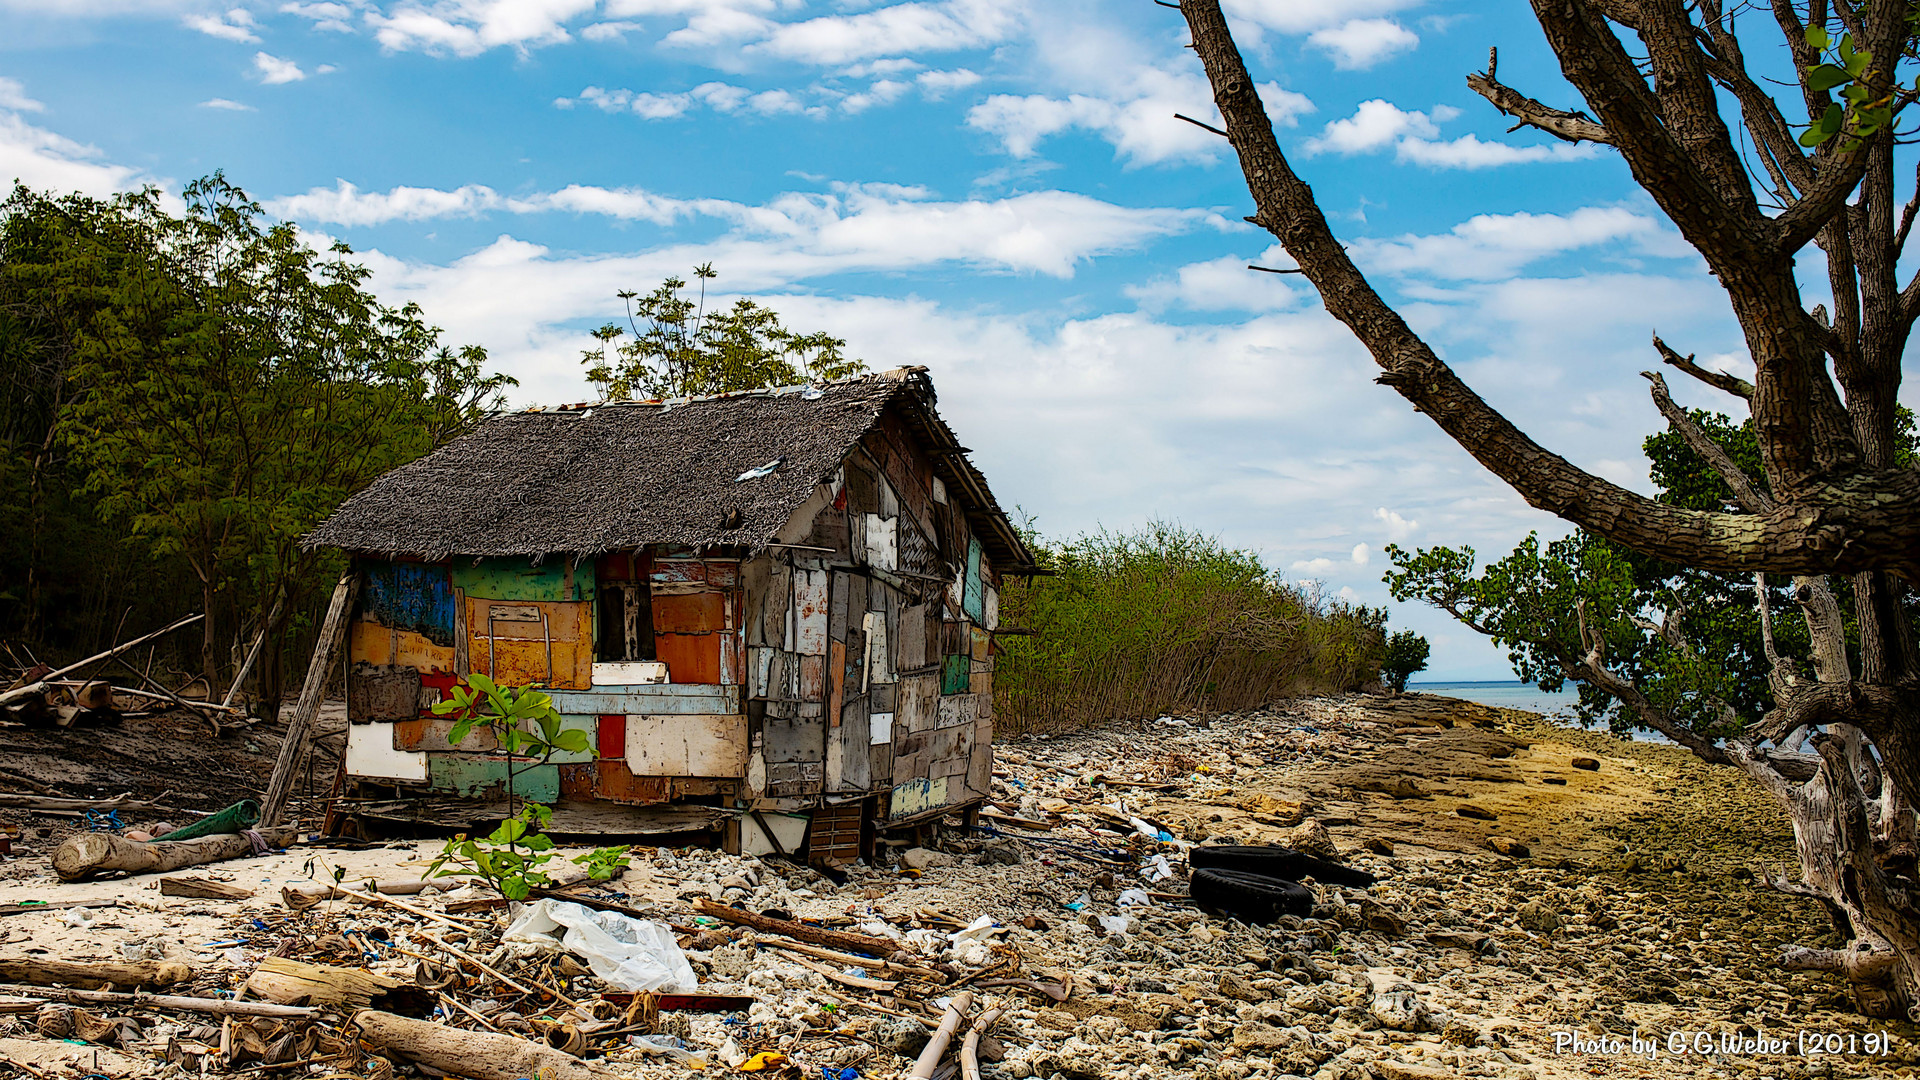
(996,189)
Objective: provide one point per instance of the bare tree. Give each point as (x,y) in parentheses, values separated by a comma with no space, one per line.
(1823,399)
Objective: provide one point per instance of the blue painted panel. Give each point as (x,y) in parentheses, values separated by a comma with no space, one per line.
(409,596)
(479,777)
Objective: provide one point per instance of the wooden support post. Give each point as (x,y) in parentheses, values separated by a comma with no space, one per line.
(293,747)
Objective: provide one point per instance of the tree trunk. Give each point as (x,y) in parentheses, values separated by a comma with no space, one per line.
(92,853)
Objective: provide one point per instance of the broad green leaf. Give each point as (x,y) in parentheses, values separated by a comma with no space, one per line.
(1817,37)
(1826,77)
(573,740)
(1831,120)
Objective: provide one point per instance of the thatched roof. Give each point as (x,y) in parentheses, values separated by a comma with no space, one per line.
(589,480)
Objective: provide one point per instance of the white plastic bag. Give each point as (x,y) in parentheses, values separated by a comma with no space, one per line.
(627,953)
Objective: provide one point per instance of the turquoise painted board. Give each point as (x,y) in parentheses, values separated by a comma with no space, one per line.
(409,596)
(590,725)
(675,699)
(487,777)
(555,579)
(970,599)
(956,676)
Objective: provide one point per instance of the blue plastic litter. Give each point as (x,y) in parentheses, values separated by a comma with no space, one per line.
(827,1072)
(1164,837)
(104,821)
(261,924)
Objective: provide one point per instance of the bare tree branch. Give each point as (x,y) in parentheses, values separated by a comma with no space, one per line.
(1574,127)
(1732,384)
(1750,498)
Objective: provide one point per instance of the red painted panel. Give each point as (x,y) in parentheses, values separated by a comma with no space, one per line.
(613,735)
(690,658)
(616,783)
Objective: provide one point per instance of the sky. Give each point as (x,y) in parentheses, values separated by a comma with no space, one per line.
(996,189)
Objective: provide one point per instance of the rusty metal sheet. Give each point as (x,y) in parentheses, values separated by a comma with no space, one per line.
(690,658)
(690,613)
(517,652)
(712,745)
(786,739)
(810,606)
(577,781)
(615,782)
(793,778)
(813,677)
(430,734)
(382,693)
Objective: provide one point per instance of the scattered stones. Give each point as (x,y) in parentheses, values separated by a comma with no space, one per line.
(1312,838)
(1476,812)
(1537,917)
(923,859)
(1587,763)
(1507,845)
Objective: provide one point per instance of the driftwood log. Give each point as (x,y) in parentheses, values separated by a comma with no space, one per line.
(88,854)
(288,981)
(477,1055)
(818,935)
(942,1036)
(163,1002)
(92,975)
(39,687)
(304,895)
(200,888)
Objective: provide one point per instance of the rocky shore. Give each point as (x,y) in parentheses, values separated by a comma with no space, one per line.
(1550,903)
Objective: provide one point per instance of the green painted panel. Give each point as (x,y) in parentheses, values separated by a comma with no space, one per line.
(956,676)
(588,724)
(972,594)
(516,578)
(487,777)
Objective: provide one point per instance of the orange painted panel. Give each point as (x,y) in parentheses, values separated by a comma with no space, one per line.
(374,644)
(690,613)
(519,646)
(690,658)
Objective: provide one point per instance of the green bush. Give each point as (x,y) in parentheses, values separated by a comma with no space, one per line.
(1165,619)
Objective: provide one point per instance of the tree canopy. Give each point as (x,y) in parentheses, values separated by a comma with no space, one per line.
(672,346)
(200,389)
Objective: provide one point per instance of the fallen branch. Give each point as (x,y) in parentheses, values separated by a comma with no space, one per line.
(883,986)
(970,1050)
(163,1002)
(306,894)
(478,1055)
(819,935)
(846,958)
(41,686)
(942,1036)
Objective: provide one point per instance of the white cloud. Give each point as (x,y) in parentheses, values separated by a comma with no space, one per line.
(1468,152)
(608,31)
(1398,528)
(1361,43)
(937,84)
(274,70)
(1378,124)
(227,104)
(1303,16)
(13,96)
(927,26)
(1140,124)
(1315,567)
(335,17)
(1487,247)
(235,25)
(1374,125)
(472,27)
(1361,555)
(1223,284)
(46,161)
(858,227)
(881,92)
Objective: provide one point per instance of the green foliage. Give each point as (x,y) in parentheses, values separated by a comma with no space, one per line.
(1166,619)
(679,349)
(1689,639)
(524,724)
(1866,93)
(208,387)
(1406,653)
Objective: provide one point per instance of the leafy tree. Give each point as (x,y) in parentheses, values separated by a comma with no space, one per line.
(680,349)
(1664,82)
(1406,653)
(221,386)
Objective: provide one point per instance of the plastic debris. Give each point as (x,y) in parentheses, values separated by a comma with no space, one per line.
(764,470)
(1135,897)
(628,953)
(1157,869)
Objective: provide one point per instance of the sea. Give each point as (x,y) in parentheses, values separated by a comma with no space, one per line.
(1514,694)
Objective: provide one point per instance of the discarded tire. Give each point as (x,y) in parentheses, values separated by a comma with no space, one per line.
(1277,862)
(1251,898)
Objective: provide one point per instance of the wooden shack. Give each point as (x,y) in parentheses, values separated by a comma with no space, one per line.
(773,611)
